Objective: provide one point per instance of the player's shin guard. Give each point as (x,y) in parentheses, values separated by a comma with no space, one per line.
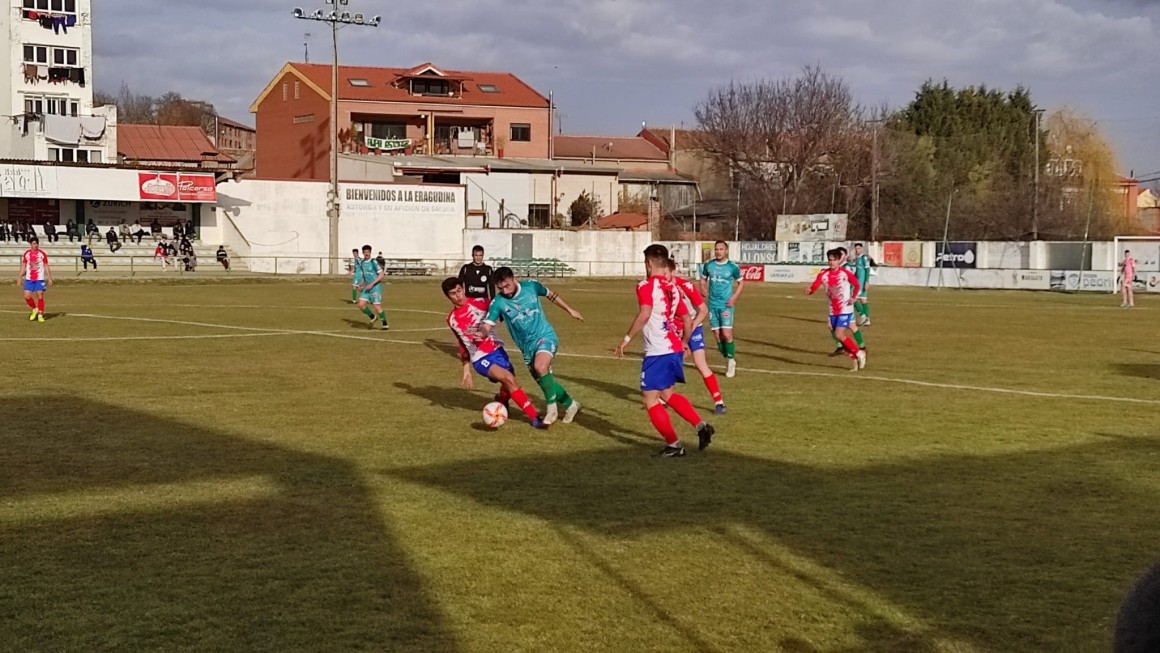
(503,396)
(354,294)
(866,310)
(40,305)
(730,350)
(549,386)
(851,347)
(30,301)
(524,403)
(683,408)
(714,389)
(368,312)
(661,422)
(858,339)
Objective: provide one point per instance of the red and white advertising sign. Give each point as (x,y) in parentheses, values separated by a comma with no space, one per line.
(173,187)
(753,273)
(196,188)
(159,186)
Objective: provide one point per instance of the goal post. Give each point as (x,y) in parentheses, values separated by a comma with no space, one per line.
(1146,251)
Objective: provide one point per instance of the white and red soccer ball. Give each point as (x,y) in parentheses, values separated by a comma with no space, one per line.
(495,415)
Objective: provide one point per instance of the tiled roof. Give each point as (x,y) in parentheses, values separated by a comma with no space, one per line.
(511,91)
(687,139)
(623,221)
(607,148)
(167,143)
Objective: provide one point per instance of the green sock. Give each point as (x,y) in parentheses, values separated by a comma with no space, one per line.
(866,310)
(548,385)
(721,347)
(858,308)
(383,315)
(858,339)
(835,339)
(730,350)
(354,294)
(368,312)
(562,395)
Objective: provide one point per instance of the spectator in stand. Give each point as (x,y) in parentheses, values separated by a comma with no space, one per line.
(87,256)
(4,232)
(155,229)
(186,247)
(92,231)
(50,232)
(137,232)
(114,243)
(161,253)
(123,231)
(223,257)
(381,261)
(190,233)
(70,230)
(190,261)
(179,231)
(171,250)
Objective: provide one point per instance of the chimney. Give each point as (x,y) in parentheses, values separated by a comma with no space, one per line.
(673,148)
(654,217)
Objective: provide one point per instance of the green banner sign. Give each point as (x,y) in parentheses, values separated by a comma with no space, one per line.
(387,144)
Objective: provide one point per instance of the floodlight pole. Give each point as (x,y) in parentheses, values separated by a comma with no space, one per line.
(333,202)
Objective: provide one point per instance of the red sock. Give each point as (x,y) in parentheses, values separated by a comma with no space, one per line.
(40,305)
(660,420)
(851,347)
(714,389)
(30,301)
(684,409)
(524,403)
(504,397)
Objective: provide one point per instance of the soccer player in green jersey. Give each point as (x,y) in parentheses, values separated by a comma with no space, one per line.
(717,285)
(368,280)
(862,264)
(354,259)
(518,304)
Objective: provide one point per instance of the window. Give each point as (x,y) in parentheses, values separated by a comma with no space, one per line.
(359,82)
(488,88)
(521,133)
(59,6)
(73,106)
(388,130)
(36,54)
(33,105)
(297,90)
(83,156)
(285,91)
(71,155)
(95,156)
(539,216)
(429,87)
(67,154)
(300,120)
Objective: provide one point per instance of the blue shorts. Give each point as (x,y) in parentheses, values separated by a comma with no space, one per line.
(662,372)
(372,296)
(697,342)
(720,318)
(841,321)
(497,358)
(550,345)
(34,286)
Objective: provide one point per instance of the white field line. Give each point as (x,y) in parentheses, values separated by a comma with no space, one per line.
(845,375)
(348,307)
(127,338)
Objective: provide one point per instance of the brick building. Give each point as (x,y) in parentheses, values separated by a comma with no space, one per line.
(422,110)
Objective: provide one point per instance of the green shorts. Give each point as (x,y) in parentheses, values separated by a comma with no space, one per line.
(550,345)
(720,318)
(372,296)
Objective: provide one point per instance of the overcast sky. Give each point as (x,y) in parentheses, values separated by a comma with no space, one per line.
(616,63)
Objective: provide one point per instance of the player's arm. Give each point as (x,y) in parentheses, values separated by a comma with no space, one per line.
(698,301)
(465,378)
(854,285)
(556,299)
(816,284)
(47,270)
(634,328)
(487,324)
(703,282)
(23,267)
(687,322)
(740,286)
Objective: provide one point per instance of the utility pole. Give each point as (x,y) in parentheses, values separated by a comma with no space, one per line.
(335,18)
(874,182)
(1035,183)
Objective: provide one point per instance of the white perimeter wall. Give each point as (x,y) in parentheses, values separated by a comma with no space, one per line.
(268,219)
(592,253)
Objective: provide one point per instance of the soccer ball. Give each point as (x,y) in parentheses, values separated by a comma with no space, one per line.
(495,415)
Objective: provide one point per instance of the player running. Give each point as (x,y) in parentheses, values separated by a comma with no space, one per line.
(483,353)
(368,280)
(1127,278)
(353,263)
(697,308)
(663,366)
(36,275)
(856,333)
(518,304)
(717,279)
(862,265)
(841,288)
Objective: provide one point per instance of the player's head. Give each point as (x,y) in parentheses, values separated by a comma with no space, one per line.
(367,252)
(1127,252)
(671,267)
(34,243)
(858,249)
(453,290)
(721,250)
(353,251)
(834,258)
(656,259)
(505,281)
(842,253)
(477,255)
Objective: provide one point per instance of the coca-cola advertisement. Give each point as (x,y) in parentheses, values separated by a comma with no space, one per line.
(753,273)
(196,188)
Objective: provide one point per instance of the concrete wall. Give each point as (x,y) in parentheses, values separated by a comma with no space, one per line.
(257,218)
(591,253)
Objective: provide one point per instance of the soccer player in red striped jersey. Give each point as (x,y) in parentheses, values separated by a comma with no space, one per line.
(697,307)
(841,290)
(484,353)
(663,367)
(37,275)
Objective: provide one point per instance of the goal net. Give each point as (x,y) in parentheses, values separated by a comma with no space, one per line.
(1146,251)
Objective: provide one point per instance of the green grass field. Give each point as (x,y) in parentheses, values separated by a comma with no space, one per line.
(247,467)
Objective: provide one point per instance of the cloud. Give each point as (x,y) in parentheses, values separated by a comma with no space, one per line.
(614,62)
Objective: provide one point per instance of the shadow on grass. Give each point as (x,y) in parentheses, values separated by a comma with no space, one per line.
(126,531)
(1140,370)
(1022,552)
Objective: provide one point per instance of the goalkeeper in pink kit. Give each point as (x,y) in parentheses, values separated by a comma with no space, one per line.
(841,289)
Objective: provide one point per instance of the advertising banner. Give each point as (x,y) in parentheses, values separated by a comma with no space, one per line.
(27,181)
(753,273)
(410,200)
(157,186)
(196,188)
(902,254)
(1031,279)
(806,253)
(955,255)
(757,253)
(812,228)
(791,273)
